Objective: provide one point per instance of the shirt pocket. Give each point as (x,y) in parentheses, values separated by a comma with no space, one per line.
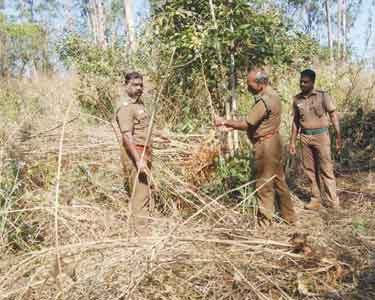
(302,110)
(141,117)
(318,108)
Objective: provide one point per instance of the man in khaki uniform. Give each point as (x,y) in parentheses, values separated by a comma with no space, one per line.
(262,125)
(134,121)
(312,111)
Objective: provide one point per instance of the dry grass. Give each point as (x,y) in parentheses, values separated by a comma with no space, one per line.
(197,247)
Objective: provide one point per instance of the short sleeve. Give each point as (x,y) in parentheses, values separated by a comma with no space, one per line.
(124,119)
(329,103)
(295,110)
(256,114)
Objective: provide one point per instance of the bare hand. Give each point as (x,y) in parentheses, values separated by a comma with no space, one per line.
(292,149)
(338,144)
(219,121)
(141,166)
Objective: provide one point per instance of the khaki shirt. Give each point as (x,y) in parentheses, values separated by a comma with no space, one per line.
(310,112)
(265,115)
(131,116)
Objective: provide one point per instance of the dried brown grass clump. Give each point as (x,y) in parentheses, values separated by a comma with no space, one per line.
(200,165)
(176,259)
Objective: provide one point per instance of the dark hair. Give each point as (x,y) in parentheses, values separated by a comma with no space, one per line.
(132,75)
(308,73)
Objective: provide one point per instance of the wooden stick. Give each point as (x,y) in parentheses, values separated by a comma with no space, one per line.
(57,189)
(149,131)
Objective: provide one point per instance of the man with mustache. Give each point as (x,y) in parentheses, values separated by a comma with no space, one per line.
(262,125)
(133,121)
(312,111)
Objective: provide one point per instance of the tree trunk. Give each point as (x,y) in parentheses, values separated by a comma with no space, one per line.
(344,30)
(130,26)
(102,42)
(329,29)
(3,56)
(228,152)
(27,7)
(339,23)
(233,81)
(97,22)
(69,12)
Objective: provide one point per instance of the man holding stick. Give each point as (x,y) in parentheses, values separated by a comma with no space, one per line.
(134,123)
(262,125)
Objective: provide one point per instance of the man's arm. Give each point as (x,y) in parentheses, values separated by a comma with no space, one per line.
(234,124)
(128,142)
(293,138)
(255,115)
(336,124)
(295,131)
(330,107)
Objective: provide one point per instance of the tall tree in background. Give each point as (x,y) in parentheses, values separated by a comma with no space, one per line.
(94,12)
(339,29)
(370,26)
(329,28)
(69,13)
(28,7)
(97,22)
(337,16)
(344,29)
(130,26)
(22,48)
(115,23)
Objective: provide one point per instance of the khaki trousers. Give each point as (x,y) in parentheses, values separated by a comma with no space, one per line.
(268,163)
(138,204)
(318,167)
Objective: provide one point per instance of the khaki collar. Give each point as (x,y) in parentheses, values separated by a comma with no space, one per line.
(313,92)
(128,100)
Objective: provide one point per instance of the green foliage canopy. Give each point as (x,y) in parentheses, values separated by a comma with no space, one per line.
(243,33)
(21,44)
(99,70)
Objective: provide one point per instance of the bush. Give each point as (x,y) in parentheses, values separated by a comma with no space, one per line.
(99,71)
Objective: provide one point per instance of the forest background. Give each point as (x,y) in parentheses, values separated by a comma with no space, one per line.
(63,219)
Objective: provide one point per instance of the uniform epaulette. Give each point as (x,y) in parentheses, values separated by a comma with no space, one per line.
(321,91)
